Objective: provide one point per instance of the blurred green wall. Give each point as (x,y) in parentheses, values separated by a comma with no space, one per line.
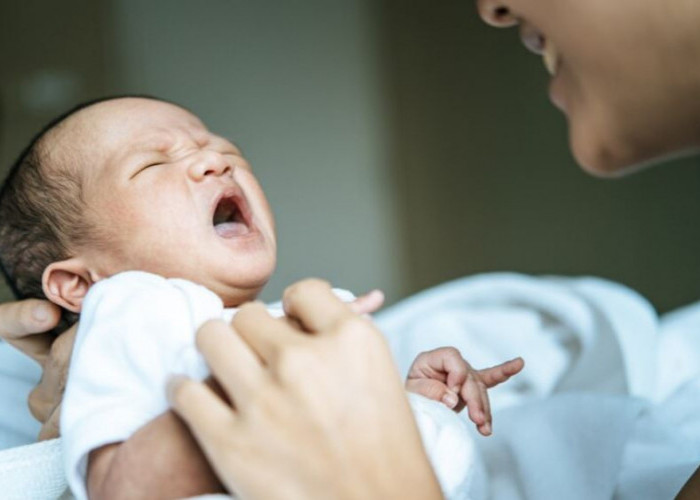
(427,136)
(487,181)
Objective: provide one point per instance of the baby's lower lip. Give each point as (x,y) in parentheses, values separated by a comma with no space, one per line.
(230,230)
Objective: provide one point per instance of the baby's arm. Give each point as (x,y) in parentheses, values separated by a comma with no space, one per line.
(120,439)
(444,375)
(160,460)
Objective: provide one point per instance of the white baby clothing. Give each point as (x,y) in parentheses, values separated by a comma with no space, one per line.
(137,329)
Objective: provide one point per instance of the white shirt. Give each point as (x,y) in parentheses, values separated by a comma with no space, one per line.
(136,330)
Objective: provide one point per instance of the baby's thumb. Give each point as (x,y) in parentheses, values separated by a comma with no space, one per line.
(433,389)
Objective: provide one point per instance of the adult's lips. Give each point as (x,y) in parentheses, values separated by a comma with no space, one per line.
(535,41)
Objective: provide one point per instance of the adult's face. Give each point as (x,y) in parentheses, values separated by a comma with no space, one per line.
(625,72)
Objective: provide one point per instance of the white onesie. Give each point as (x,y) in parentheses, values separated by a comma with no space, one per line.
(136,329)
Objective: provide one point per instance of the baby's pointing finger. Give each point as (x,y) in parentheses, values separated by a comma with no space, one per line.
(500,373)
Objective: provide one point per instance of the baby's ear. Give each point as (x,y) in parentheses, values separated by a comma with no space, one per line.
(66,283)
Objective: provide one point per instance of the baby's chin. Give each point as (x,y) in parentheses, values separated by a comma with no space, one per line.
(236,295)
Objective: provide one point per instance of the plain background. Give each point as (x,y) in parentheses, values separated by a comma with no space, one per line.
(401,144)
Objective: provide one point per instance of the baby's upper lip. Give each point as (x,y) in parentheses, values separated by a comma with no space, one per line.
(235,194)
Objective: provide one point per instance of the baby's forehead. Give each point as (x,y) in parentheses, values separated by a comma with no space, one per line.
(135,118)
(130,123)
(91,136)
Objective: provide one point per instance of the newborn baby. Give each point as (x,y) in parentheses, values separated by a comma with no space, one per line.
(131,213)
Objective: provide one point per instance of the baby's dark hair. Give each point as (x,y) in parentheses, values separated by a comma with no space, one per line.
(41,212)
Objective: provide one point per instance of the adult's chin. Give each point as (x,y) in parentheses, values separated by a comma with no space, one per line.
(603,149)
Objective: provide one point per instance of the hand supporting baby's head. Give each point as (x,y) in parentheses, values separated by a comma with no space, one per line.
(133,184)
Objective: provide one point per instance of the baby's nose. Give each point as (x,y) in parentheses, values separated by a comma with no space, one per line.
(496,13)
(208,163)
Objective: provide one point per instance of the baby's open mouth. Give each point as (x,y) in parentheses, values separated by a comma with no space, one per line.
(229,219)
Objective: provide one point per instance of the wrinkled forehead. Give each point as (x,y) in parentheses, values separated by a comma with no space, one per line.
(94,135)
(123,122)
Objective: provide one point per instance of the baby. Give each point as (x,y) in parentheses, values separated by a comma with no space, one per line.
(131,213)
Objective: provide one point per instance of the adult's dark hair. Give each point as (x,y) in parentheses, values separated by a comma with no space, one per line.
(41,211)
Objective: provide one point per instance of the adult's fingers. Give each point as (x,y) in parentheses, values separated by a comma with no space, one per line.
(27,317)
(51,426)
(47,395)
(203,411)
(23,325)
(230,359)
(313,304)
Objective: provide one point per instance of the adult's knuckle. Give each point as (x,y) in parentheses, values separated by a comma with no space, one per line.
(294,361)
(355,327)
(182,393)
(62,347)
(37,404)
(208,333)
(247,313)
(307,285)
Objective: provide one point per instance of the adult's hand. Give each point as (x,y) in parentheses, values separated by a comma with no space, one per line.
(24,325)
(318,407)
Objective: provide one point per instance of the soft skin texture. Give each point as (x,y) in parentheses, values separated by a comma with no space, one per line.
(627,78)
(151,176)
(284,379)
(23,324)
(628,82)
(162,459)
(444,375)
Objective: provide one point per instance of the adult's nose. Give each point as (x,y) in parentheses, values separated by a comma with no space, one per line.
(496,13)
(208,164)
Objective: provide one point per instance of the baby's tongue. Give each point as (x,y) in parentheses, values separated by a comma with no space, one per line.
(231,229)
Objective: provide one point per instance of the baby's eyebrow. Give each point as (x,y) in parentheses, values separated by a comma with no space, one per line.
(160,142)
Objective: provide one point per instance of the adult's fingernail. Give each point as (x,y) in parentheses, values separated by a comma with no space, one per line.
(41,313)
(450,399)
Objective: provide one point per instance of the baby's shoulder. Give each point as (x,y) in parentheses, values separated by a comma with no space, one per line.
(130,281)
(134,283)
(130,291)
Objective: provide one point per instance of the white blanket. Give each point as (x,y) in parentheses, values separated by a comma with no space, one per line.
(608,405)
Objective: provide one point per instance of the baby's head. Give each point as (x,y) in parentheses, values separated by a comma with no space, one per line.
(133,184)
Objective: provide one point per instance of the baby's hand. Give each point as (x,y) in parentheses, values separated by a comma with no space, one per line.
(368,303)
(444,375)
